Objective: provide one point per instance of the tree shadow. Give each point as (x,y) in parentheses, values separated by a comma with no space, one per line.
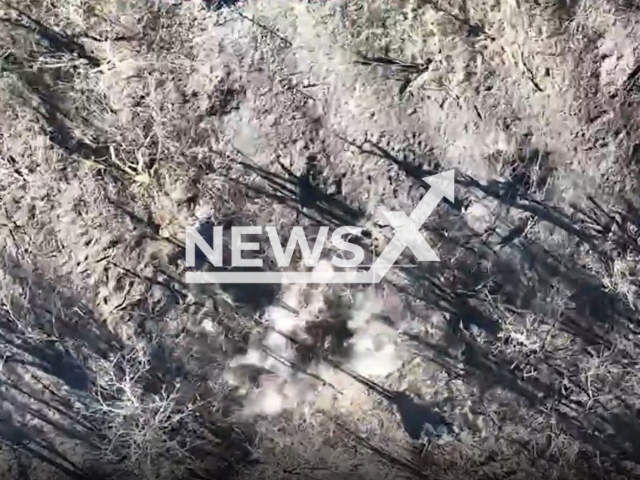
(420,420)
(40,418)
(52,39)
(41,84)
(290,190)
(216,5)
(50,342)
(485,284)
(254,297)
(301,193)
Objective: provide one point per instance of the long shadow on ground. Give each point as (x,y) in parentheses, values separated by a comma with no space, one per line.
(486,284)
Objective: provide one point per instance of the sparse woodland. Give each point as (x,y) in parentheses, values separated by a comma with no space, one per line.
(124,122)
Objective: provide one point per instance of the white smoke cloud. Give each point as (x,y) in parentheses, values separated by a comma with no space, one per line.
(372,349)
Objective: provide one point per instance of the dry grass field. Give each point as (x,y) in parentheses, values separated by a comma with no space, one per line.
(517,356)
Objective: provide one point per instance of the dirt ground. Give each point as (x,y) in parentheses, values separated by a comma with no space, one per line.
(124,122)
